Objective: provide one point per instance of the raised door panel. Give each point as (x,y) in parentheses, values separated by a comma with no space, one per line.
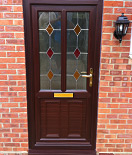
(75,115)
(50,119)
(63,120)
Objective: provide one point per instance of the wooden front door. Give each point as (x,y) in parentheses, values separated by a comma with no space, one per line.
(62,41)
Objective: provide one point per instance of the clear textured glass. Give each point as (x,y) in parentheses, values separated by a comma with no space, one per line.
(44,82)
(82,83)
(56,64)
(50,50)
(83,20)
(82,63)
(55,20)
(43,20)
(71,41)
(56,41)
(55,83)
(71,64)
(71,83)
(83,41)
(43,41)
(71,20)
(77,49)
(44,61)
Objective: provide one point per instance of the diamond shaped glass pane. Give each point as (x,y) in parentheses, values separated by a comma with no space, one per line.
(77,29)
(49,29)
(76,75)
(77,53)
(50,75)
(50,52)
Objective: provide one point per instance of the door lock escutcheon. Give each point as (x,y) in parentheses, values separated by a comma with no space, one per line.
(90,76)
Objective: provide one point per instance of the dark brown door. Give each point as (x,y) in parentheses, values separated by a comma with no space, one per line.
(62,103)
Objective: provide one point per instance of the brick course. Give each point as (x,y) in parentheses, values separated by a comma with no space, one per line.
(114,132)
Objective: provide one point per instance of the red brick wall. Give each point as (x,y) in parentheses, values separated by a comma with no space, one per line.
(115,93)
(115,102)
(13,111)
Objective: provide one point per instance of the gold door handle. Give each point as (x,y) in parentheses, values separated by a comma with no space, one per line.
(87,76)
(83,72)
(90,76)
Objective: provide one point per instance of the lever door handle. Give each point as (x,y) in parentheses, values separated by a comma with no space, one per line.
(90,76)
(87,76)
(83,72)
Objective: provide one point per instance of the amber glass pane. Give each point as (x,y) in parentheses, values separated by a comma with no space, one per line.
(77,49)
(50,50)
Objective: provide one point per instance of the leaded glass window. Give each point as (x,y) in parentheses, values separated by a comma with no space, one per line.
(50,50)
(77,49)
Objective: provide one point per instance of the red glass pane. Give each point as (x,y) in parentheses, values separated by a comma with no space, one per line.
(50,52)
(77,53)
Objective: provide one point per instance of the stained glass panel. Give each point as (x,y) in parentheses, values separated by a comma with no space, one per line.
(77,49)
(76,75)
(49,29)
(77,29)
(77,53)
(50,50)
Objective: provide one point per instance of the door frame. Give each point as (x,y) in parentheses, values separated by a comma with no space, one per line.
(27,9)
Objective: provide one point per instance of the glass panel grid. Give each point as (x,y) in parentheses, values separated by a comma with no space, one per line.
(77,49)
(50,50)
